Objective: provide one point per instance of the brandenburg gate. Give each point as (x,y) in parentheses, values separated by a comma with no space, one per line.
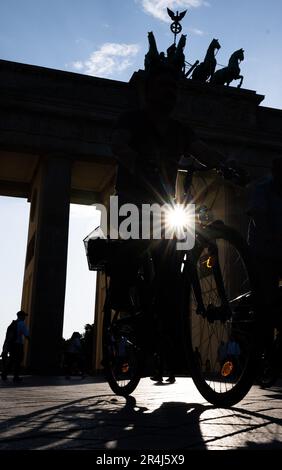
(55,132)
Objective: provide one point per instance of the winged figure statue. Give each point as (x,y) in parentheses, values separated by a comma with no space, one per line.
(176,17)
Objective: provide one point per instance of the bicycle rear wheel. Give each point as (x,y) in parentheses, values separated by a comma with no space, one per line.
(221,332)
(121,353)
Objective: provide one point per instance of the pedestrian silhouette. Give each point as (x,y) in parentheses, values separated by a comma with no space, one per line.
(13,347)
(74,357)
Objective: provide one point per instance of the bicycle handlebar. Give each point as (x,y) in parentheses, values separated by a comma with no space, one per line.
(237,175)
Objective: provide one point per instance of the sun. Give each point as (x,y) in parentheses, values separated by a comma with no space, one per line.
(178,217)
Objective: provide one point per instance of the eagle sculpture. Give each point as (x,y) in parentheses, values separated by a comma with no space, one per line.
(176,17)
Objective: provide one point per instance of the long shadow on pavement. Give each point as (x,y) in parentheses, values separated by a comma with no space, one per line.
(109,422)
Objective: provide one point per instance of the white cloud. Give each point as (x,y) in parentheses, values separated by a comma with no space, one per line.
(197,31)
(77,65)
(111,58)
(157,8)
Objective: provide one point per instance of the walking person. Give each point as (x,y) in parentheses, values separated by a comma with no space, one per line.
(13,347)
(74,356)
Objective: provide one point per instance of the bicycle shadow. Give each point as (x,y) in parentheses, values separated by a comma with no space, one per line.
(104,422)
(107,422)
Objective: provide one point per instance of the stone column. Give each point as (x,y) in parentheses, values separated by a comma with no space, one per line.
(50,263)
(99,309)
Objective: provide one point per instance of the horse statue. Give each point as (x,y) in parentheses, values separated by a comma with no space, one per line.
(152,54)
(232,72)
(175,55)
(205,70)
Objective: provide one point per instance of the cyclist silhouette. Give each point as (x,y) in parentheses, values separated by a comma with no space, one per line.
(148,144)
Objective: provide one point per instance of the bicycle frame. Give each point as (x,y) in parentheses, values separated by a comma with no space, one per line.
(218,314)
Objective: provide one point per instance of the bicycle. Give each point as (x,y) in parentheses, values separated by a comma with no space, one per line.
(218,300)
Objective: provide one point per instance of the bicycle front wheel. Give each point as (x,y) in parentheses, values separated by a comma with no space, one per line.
(121,353)
(221,316)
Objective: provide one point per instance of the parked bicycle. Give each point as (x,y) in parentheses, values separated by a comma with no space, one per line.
(218,302)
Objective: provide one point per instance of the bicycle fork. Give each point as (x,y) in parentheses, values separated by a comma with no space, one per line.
(191,268)
(210,311)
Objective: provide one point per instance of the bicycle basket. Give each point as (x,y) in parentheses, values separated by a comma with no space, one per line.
(100,250)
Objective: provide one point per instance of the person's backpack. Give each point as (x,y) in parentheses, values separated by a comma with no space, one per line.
(11,335)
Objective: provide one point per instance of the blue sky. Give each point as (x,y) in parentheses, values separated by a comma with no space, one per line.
(80,290)
(108,38)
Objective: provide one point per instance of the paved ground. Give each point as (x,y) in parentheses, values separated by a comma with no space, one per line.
(51,413)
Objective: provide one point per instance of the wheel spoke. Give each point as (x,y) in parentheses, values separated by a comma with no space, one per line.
(224,334)
(121,353)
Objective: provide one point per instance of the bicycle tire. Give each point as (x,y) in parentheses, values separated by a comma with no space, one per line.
(213,385)
(123,372)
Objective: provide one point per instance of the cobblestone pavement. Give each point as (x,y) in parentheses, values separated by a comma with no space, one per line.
(52,413)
